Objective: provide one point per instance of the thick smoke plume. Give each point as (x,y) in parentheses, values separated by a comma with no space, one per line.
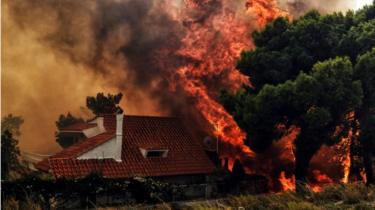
(58,52)
(78,48)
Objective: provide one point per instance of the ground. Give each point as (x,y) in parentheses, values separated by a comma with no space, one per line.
(347,197)
(351,196)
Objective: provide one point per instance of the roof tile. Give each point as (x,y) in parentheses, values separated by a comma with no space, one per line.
(185,155)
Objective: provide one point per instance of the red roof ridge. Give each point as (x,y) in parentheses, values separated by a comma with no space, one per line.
(83,146)
(137,115)
(79,126)
(155,116)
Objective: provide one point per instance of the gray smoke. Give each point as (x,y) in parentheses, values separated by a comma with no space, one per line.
(299,7)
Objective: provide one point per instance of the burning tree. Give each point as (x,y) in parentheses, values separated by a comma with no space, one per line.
(296,84)
(317,103)
(365,71)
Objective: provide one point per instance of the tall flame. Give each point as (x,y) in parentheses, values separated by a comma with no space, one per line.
(215,44)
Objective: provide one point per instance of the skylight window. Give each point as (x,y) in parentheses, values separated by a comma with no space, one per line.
(150,153)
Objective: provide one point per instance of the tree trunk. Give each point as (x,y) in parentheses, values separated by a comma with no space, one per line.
(303,158)
(367,161)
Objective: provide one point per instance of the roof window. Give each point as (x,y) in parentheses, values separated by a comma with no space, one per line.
(150,153)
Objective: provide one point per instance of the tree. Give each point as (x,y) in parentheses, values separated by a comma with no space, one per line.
(10,128)
(99,104)
(365,72)
(297,81)
(65,120)
(12,124)
(317,103)
(285,48)
(358,40)
(9,154)
(102,104)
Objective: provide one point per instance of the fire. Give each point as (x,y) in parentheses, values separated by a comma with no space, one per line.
(320,181)
(287,184)
(346,161)
(362,173)
(216,35)
(214,42)
(265,10)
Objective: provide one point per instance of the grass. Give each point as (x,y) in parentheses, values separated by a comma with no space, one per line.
(346,197)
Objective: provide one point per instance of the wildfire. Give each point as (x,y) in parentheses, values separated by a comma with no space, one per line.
(362,173)
(214,42)
(216,36)
(346,161)
(321,180)
(287,183)
(265,10)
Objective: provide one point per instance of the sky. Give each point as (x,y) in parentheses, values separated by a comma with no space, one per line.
(361,3)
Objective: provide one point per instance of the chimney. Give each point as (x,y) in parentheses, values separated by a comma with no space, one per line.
(119,135)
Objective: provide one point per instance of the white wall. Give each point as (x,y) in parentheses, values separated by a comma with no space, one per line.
(105,150)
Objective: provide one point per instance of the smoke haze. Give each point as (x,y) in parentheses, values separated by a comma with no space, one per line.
(55,53)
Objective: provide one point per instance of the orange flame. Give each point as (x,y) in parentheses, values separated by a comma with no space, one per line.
(362,173)
(265,10)
(287,184)
(321,180)
(215,44)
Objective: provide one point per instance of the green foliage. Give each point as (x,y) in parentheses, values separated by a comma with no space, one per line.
(64,121)
(10,129)
(358,40)
(150,190)
(102,104)
(298,80)
(9,154)
(41,191)
(12,124)
(317,101)
(285,48)
(365,72)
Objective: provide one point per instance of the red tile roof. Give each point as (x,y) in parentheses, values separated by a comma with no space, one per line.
(78,126)
(185,155)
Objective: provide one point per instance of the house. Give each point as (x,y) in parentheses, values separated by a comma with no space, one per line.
(123,146)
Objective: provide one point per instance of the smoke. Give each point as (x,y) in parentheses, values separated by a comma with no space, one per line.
(58,52)
(299,7)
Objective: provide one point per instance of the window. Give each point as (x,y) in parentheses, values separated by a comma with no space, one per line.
(150,153)
(155,153)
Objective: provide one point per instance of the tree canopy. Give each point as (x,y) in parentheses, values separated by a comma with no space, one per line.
(10,129)
(302,76)
(365,72)
(102,104)
(64,121)
(99,104)
(12,124)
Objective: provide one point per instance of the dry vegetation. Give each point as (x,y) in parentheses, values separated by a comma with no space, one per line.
(351,196)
